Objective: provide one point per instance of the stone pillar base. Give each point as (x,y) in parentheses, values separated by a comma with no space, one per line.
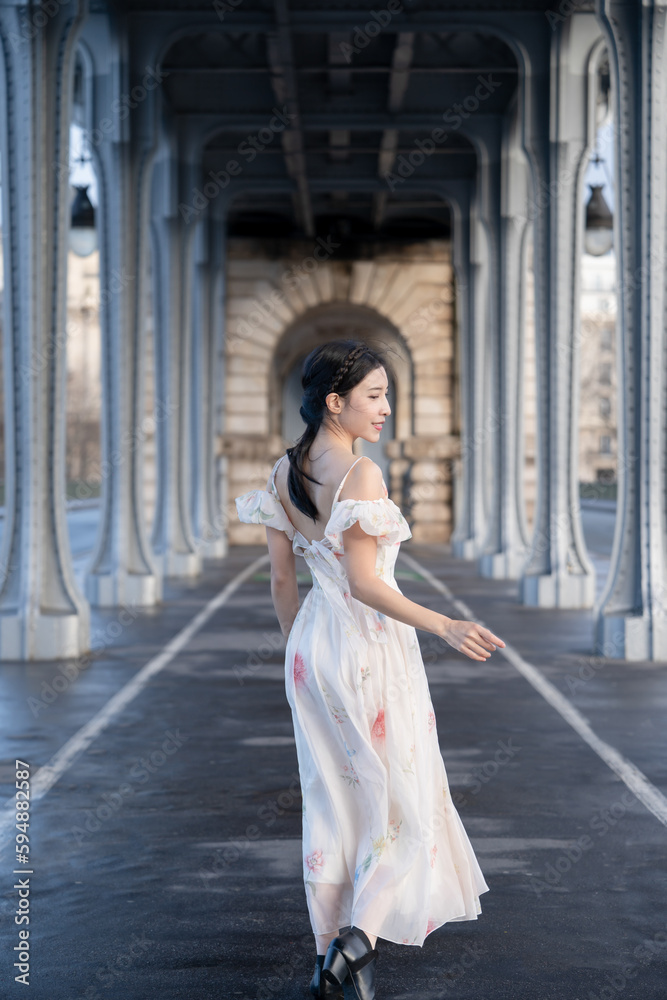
(502,565)
(465,548)
(111,590)
(178,564)
(58,636)
(556,591)
(631,637)
(215,548)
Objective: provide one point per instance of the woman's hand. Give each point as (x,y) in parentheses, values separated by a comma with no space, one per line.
(474,640)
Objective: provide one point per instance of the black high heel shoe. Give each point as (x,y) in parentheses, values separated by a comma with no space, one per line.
(350,954)
(319,986)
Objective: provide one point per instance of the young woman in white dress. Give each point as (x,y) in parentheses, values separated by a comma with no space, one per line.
(385,853)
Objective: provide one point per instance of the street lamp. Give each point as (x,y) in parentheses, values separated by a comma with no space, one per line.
(599,231)
(82,233)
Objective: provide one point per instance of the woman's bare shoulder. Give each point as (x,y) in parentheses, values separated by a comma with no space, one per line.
(365,481)
(363,477)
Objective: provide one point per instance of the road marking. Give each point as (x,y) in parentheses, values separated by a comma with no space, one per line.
(47,775)
(628,772)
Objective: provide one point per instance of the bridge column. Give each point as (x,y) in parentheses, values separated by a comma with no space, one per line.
(122,568)
(217,290)
(506,544)
(471,268)
(42,613)
(558,572)
(207,381)
(174,545)
(631,617)
(497,388)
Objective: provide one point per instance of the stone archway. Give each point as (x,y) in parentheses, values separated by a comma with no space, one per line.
(403,295)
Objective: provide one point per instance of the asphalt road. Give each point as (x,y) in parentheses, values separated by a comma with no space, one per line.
(165,858)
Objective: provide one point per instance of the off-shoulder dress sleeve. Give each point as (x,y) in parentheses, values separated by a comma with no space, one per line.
(377,517)
(262,507)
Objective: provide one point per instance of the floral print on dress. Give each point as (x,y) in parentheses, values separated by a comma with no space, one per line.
(315,861)
(338,712)
(410,760)
(262,507)
(378,730)
(431,720)
(393,830)
(433,852)
(378,845)
(377,517)
(299,670)
(375,620)
(349,775)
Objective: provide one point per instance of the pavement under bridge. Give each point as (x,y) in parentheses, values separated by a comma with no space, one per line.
(166,812)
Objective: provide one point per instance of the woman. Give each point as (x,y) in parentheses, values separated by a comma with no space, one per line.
(384,851)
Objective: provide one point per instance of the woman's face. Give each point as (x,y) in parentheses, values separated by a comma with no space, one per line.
(363,411)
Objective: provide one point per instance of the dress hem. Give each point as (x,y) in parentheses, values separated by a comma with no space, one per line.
(382,937)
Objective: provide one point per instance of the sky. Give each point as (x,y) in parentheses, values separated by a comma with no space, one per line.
(81,174)
(604,172)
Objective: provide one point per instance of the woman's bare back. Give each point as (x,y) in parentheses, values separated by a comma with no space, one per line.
(329,468)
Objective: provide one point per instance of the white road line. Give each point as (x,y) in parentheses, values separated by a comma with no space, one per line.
(47,775)
(628,772)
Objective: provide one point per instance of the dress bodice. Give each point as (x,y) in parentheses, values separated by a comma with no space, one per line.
(323,556)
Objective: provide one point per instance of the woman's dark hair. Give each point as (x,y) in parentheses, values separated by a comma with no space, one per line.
(336,366)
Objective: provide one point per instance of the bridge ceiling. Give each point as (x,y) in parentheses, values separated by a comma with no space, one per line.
(339,117)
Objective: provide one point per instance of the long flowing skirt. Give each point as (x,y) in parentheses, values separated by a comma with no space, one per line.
(384,847)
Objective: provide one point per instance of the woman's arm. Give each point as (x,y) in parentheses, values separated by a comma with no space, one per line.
(359,561)
(284,586)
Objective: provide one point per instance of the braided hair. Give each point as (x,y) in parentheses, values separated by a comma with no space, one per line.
(337,366)
(345,367)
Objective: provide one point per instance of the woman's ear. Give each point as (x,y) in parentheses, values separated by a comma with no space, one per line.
(333,402)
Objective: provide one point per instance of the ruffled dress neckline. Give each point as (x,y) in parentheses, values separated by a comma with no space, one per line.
(328,537)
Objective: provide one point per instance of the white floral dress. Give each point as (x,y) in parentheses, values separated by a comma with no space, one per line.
(384,847)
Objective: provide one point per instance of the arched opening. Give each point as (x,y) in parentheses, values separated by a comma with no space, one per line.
(598,387)
(83,458)
(3,472)
(529,438)
(149,423)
